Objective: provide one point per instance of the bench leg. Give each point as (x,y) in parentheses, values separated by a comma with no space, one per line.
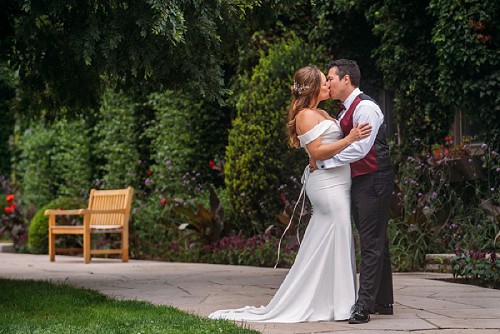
(124,245)
(86,247)
(52,246)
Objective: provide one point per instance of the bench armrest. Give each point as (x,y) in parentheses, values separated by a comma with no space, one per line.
(58,212)
(81,212)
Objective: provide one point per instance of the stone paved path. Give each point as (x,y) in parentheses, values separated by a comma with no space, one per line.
(423,305)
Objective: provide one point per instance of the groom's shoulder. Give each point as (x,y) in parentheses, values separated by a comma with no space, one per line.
(365,97)
(367,100)
(368,105)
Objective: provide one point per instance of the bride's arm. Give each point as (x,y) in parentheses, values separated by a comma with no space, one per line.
(320,151)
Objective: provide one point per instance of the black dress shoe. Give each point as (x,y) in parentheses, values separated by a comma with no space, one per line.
(359,314)
(385,309)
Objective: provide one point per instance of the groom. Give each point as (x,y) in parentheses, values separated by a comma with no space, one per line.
(371,191)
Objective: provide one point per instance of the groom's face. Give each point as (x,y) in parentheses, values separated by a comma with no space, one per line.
(337,85)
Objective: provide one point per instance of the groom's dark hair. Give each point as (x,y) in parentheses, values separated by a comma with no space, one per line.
(346,66)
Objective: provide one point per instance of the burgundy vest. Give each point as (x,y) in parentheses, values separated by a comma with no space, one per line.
(378,156)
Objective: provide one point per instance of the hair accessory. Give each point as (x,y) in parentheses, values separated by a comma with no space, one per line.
(299,88)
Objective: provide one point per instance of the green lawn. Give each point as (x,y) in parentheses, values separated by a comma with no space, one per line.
(41,307)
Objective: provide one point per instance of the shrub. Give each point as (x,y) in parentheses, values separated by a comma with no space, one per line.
(258,159)
(204,224)
(437,209)
(153,227)
(477,266)
(38,227)
(185,134)
(51,165)
(70,160)
(34,167)
(261,250)
(117,134)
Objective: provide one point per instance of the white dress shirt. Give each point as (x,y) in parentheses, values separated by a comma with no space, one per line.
(366,112)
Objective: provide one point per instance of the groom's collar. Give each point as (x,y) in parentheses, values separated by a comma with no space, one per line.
(347,103)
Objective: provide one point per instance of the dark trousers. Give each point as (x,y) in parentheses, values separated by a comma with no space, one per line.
(371,203)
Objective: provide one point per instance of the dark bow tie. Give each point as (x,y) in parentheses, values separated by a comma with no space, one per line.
(342,108)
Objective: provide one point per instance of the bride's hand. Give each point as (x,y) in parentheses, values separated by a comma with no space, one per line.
(359,132)
(312,165)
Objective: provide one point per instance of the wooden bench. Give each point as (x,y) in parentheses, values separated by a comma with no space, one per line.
(108,212)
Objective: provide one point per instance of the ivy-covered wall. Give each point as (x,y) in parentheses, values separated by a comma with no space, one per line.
(467,39)
(438,56)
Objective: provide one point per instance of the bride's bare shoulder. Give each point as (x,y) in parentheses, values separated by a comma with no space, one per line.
(308,114)
(326,115)
(307,119)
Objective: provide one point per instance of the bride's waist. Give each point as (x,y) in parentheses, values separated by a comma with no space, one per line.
(337,172)
(340,169)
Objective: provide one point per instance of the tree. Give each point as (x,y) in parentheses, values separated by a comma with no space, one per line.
(63,48)
(7,123)
(343,28)
(7,82)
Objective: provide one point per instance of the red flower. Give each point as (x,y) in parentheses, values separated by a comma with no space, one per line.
(211,164)
(163,202)
(150,172)
(448,138)
(10,209)
(10,198)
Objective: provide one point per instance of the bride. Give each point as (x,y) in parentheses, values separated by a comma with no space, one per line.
(320,286)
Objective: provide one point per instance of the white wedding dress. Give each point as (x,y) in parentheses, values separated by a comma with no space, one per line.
(320,286)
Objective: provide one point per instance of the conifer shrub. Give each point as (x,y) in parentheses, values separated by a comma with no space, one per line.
(259,162)
(39,225)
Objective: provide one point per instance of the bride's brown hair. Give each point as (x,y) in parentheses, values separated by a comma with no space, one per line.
(305,92)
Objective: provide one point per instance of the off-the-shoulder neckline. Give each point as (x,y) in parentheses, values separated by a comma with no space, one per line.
(325,120)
